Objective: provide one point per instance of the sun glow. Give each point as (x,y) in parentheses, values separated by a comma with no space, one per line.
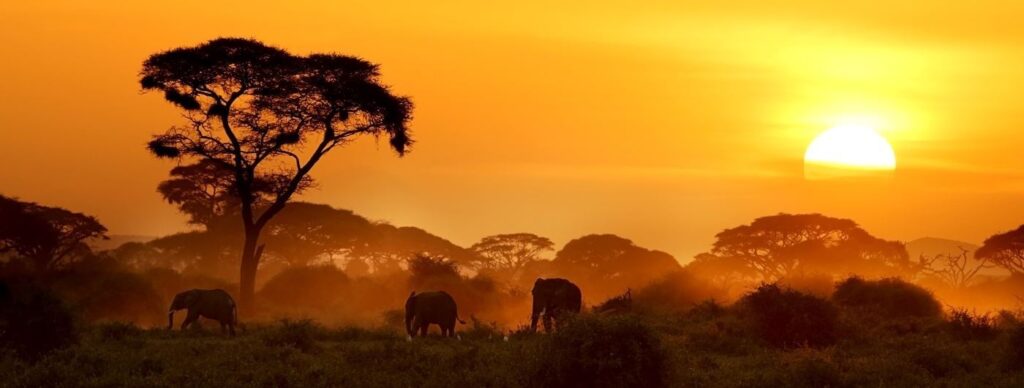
(850,147)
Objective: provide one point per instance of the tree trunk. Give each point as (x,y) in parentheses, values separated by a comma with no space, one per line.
(250,262)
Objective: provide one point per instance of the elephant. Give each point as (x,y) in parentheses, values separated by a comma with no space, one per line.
(554,298)
(213,304)
(435,307)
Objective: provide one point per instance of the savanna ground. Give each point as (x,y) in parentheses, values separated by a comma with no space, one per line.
(867,333)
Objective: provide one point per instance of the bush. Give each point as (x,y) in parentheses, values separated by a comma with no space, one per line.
(787,318)
(616,304)
(889,298)
(301,335)
(677,291)
(1013,358)
(593,351)
(967,326)
(33,321)
(306,288)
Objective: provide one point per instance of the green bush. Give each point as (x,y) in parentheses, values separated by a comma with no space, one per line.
(888,298)
(33,321)
(594,351)
(787,318)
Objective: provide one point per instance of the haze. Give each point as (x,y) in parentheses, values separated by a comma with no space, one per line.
(664,123)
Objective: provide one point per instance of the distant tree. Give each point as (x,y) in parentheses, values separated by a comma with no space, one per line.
(356,268)
(954,269)
(509,253)
(45,237)
(306,233)
(605,264)
(1005,250)
(776,246)
(721,269)
(428,272)
(388,248)
(268,116)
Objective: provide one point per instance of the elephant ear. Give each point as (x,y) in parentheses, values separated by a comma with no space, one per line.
(190,297)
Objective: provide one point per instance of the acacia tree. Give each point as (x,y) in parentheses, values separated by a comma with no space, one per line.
(776,246)
(1005,250)
(45,237)
(268,117)
(509,253)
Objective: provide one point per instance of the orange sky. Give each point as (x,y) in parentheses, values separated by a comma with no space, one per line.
(663,123)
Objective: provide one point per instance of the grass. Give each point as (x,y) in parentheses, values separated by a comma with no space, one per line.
(709,346)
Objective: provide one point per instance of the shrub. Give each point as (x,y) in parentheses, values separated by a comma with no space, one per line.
(677,291)
(33,321)
(616,304)
(890,298)
(787,318)
(301,335)
(594,351)
(1013,358)
(967,326)
(305,288)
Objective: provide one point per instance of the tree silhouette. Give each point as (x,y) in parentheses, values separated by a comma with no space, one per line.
(605,264)
(508,253)
(43,237)
(388,247)
(306,233)
(1005,250)
(268,117)
(776,246)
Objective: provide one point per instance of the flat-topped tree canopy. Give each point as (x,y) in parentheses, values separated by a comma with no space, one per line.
(265,117)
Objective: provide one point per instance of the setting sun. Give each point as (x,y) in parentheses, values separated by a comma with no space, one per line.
(851,147)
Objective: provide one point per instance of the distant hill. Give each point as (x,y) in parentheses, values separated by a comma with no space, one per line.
(115,241)
(931,246)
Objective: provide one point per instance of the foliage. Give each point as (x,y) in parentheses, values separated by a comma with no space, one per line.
(971,326)
(33,320)
(890,298)
(267,117)
(592,351)
(779,245)
(45,238)
(604,264)
(676,291)
(1005,250)
(787,318)
(507,254)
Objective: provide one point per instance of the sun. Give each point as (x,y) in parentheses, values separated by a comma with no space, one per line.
(848,149)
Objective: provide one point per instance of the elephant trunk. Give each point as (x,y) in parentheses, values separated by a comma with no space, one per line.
(170,320)
(410,311)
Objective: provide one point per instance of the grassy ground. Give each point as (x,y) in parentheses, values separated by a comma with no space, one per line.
(687,351)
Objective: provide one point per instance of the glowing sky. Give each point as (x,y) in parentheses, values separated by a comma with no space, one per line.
(664,123)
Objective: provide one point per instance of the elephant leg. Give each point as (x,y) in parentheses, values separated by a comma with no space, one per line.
(231,329)
(423,329)
(191,317)
(547,322)
(223,327)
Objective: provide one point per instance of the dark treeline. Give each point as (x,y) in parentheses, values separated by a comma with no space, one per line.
(338,267)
